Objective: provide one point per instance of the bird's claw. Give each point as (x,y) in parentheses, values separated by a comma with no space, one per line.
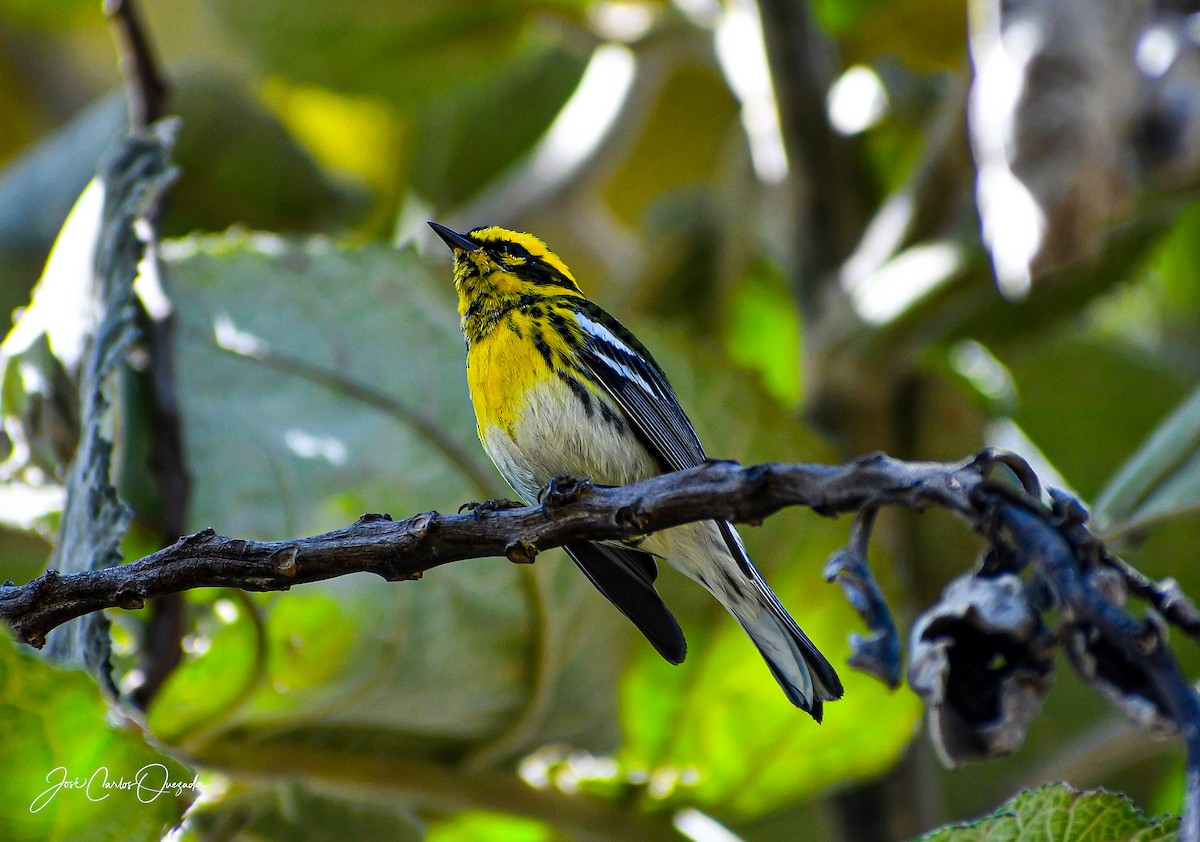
(479,509)
(561,490)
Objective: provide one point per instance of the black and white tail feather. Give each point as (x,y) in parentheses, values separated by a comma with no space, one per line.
(615,359)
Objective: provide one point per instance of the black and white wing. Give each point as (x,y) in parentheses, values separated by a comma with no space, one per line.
(618,361)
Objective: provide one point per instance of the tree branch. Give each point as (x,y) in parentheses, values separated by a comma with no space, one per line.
(399,550)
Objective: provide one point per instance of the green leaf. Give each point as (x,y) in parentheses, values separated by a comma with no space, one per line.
(763,330)
(489,827)
(1058,813)
(512,109)
(1069,390)
(1161,480)
(55,719)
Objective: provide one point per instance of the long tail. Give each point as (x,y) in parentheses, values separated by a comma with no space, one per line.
(807,678)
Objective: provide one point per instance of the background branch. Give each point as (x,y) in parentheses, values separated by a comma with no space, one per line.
(146,93)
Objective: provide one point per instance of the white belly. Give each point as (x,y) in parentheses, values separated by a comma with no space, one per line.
(555,435)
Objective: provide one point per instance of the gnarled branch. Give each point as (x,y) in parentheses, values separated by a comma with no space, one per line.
(571,511)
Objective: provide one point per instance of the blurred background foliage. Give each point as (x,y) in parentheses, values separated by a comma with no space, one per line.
(319,371)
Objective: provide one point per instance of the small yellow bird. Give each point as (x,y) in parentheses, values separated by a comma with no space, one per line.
(561,387)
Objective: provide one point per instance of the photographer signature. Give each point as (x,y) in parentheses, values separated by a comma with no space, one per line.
(151,781)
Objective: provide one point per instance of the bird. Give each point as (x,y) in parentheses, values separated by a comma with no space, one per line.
(559,386)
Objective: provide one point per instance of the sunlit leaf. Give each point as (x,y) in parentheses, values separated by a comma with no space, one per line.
(763,331)
(54,726)
(1058,813)
(489,827)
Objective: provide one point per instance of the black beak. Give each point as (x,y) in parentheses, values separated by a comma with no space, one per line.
(453,239)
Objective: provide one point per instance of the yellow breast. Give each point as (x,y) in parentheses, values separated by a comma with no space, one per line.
(504,365)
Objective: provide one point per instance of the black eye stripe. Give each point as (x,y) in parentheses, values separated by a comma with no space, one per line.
(514,250)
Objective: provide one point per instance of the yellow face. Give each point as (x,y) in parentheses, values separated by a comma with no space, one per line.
(504,264)
(514,251)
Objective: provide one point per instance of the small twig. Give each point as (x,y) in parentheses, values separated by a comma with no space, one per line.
(879,653)
(1166,596)
(147,90)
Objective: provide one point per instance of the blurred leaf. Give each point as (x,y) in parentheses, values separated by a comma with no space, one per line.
(407,51)
(1162,478)
(927,36)
(1087,401)
(39,187)
(473,84)
(292,813)
(687,726)
(489,827)
(61,14)
(55,719)
(680,142)
(220,668)
(763,330)
(1171,284)
(362,138)
(22,556)
(264,179)
(1058,813)
(318,383)
(511,109)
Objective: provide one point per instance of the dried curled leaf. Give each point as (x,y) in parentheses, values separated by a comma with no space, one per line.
(983,663)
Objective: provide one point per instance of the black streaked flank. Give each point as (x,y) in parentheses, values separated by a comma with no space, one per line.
(610,415)
(543,347)
(579,390)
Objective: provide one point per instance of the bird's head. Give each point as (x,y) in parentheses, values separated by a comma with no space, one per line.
(496,262)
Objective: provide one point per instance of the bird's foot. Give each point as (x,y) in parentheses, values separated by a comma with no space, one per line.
(561,490)
(486,507)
